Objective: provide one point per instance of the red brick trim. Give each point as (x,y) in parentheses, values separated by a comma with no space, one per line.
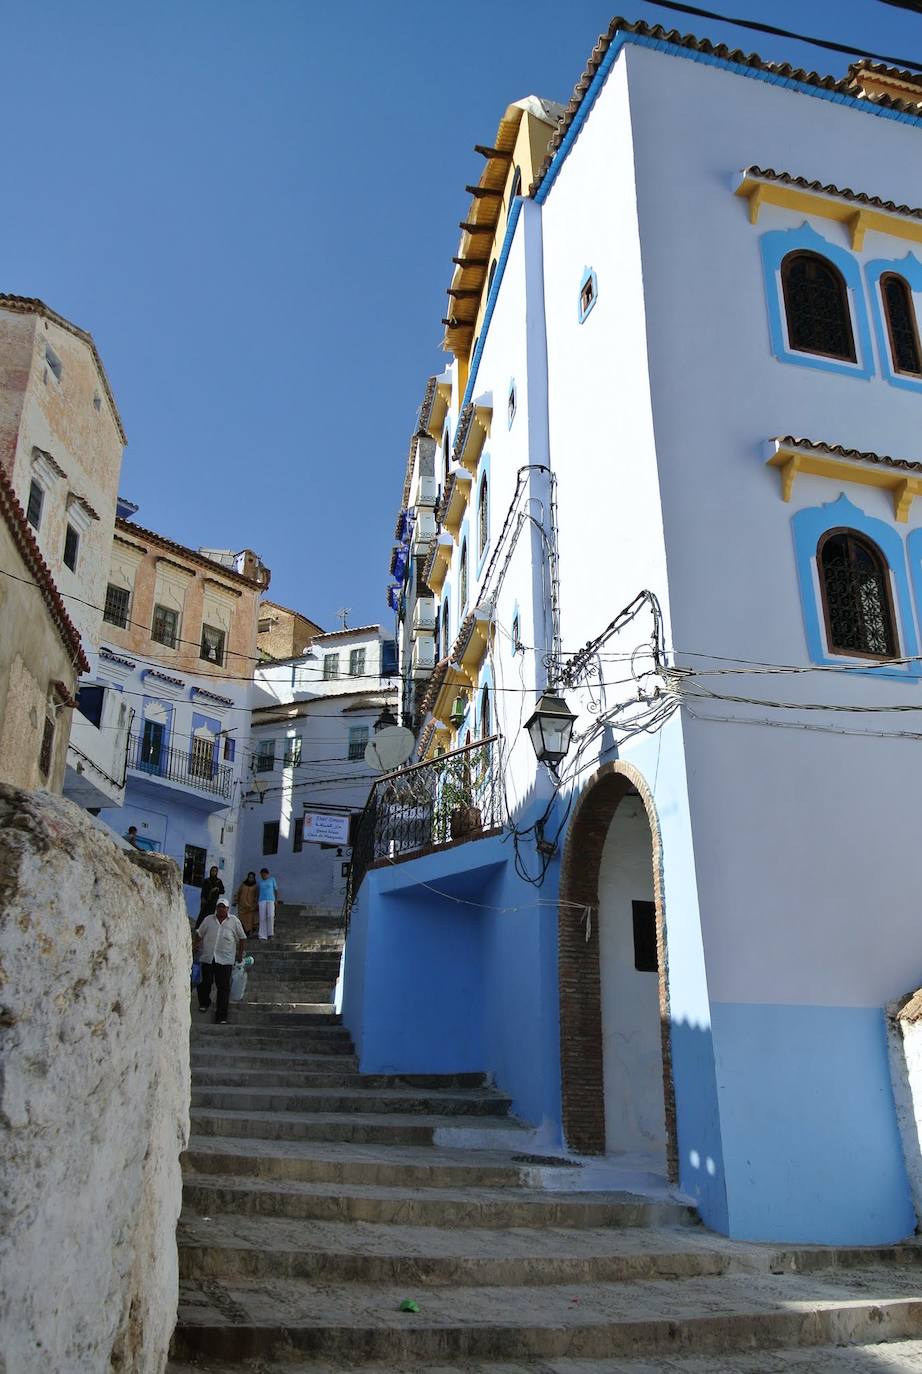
(582,1085)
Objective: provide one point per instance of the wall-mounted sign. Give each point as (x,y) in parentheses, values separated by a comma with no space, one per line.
(324,829)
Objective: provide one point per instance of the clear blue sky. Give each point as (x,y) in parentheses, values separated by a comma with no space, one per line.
(253,204)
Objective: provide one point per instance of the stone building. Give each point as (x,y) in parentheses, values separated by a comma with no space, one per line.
(179,647)
(61,445)
(283,633)
(40,657)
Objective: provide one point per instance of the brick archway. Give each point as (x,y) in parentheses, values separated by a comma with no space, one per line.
(582,1084)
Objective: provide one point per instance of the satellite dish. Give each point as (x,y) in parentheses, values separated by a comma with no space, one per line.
(389,748)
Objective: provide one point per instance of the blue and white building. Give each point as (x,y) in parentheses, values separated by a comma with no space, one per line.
(676,456)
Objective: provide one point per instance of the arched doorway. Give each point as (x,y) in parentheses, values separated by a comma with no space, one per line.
(615,1053)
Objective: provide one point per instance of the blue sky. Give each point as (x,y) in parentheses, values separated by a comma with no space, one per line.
(253,204)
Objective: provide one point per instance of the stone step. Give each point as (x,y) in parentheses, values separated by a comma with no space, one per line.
(235,1247)
(370,1165)
(218,1194)
(240,1320)
(266,1002)
(214,1054)
(227,1074)
(905,1356)
(321,1014)
(357,1127)
(418,1102)
(241,1035)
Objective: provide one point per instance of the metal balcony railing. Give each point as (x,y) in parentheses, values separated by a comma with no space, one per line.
(455,797)
(192,767)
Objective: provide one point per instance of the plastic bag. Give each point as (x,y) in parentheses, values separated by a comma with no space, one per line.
(238,983)
(196,973)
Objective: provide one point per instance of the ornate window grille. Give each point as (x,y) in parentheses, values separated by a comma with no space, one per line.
(462,578)
(817,308)
(857,600)
(485,722)
(901,324)
(483,515)
(116,607)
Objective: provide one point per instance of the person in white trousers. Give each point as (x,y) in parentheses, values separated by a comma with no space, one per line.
(268,895)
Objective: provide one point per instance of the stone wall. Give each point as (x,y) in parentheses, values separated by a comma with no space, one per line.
(904,1036)
(94,1093)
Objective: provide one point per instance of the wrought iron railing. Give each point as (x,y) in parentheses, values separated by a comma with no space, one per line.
(193,767)
(451,798)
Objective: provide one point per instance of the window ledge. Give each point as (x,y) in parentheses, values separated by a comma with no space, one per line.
(900,476)
(859,211)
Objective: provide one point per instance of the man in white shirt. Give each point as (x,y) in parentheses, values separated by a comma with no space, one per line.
(218,943)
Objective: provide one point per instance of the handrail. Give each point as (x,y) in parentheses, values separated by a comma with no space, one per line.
(445,800)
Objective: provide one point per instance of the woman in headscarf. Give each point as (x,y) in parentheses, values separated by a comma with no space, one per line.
(212,889)
(248,904)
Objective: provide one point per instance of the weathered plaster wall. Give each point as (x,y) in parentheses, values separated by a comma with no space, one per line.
(94,1093)
(32,657)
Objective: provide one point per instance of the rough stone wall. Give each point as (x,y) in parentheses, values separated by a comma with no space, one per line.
(904,1036)
(94,1093)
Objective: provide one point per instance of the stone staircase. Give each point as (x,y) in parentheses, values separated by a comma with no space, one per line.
(318,1199)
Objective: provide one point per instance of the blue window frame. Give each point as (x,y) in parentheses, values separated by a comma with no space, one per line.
(809,527)
(909,270)
(778,245)
(588,293)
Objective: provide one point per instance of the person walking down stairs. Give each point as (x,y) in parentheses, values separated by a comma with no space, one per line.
(220,938)
(268,895)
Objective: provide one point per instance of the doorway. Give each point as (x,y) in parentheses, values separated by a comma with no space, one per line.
(616,1063)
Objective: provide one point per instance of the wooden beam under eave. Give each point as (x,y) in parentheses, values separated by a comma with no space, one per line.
(463,293)
(477,228)
(471,262)
(492,152)
(483,192)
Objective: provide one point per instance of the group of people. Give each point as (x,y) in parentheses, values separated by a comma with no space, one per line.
(219,938)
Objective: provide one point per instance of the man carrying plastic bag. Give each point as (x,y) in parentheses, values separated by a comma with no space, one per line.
(218,943)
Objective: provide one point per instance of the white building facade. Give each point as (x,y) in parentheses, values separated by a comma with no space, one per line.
(312,719)
(685,436)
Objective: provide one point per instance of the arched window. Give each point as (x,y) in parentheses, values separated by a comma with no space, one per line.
(816,306)
(483,516)
(438,631)
(491,275)
(857,603)
(486,724)
(900,315)
(446,456)
(516,188)
(462,579)
(445,639)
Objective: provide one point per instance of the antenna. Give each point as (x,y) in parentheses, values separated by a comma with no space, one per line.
(342,613)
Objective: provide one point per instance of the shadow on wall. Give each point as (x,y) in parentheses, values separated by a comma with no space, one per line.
(698,1141)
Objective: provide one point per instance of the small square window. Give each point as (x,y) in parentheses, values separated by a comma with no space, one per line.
(263,627)
(293,752)
(516,633)
(265,756)
(588,293)
(71,548)
(230,749)
(36,502)
(297,842)
(357,663)
(53,362)
(330,667)
(47,749)
(358,739)
(271,837)
(116,607)
(97,401)
(165,627)
(212,644)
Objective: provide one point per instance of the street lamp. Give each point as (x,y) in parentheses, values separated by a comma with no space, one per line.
(550,728)
(385,719)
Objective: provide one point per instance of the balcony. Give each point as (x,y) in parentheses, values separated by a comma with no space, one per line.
(194,772)
(424,615)
(422,659)
(425,492)
(424,530)
(447,801)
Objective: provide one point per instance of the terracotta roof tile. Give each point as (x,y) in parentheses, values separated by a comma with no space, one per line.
(15,518)
(859,455)
(842,86)
(829,189)
(131,527)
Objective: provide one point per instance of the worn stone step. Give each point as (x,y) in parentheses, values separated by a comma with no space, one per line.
(220,1072)
(214,1054)
(217,1194)
(320,1014)
(308,1037)
(418,1102)
(369,1165)
(894,1355)
(240,1320)
(360,1128)
(232,1247)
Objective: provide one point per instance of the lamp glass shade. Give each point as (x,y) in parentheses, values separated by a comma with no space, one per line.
(550,728)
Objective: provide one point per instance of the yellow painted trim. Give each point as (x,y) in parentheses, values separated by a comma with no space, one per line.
(439,410)
(790,462)
(460,496)
(440,566)
(455,681)
(477,435)
(476,649)
(858,218)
